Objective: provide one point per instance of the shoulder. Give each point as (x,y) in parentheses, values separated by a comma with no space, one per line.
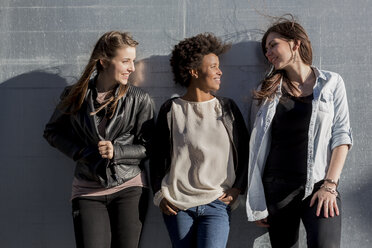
(138,95)
(329,77)
(166,106)
(229,106)
(226,102)
(136,91)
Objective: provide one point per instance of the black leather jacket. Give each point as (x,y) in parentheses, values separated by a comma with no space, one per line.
(235,126)
(129,130)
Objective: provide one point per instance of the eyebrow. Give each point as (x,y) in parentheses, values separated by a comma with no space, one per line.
(269,43)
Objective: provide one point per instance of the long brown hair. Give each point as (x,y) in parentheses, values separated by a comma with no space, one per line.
(290,30)
(105,49)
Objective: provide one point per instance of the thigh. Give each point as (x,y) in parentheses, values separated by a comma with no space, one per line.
(284,227)
(321,231)
(182,228)
(284,221)
(213,225)
(127,211)
(91,222)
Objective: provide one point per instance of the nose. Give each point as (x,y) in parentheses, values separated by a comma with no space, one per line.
(268,53)
(219,72)
(131,68)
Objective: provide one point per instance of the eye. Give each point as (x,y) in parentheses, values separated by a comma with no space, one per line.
(271,45)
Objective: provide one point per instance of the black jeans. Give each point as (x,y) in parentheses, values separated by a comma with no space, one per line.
(110,221)
(284,219)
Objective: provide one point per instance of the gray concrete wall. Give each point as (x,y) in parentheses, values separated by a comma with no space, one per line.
(46,43)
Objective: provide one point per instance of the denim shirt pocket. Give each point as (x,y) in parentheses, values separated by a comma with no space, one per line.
(326,102)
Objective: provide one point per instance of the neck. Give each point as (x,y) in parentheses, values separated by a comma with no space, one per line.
(103,84)
(299,73)
(195,94)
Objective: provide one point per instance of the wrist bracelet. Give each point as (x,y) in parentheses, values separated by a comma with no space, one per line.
(329,189)
(328,180)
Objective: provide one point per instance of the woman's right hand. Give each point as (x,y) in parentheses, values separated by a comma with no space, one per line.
(167,208)
(262,223)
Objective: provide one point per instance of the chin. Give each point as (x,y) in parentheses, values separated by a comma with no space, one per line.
(123,82)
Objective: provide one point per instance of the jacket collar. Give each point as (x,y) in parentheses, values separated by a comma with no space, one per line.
(92,86)
(319,73)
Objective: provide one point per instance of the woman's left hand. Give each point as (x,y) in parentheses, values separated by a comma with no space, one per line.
(230,196)
(327,201)
(106,149)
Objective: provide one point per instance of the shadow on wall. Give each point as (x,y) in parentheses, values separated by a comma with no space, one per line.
(243,67)
(36,181)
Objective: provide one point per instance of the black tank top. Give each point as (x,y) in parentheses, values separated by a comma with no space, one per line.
(287,158)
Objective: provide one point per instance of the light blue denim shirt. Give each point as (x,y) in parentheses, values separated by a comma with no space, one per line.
(329,127)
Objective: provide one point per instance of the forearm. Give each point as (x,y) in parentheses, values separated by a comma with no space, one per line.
(337,162)
(130,151)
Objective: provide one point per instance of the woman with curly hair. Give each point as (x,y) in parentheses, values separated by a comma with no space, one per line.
(105,125)
(299,142)
(199,163)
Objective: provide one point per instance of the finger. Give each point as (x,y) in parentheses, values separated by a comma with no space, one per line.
(222,196)
(167,207)
(102,143)
(171,211)
(164,210)
(104,152)
(319,207)
(331,209)
(262,223)
(174,208)
(102,148)
(313,200)
(336,208)
(325,208)
(225,200)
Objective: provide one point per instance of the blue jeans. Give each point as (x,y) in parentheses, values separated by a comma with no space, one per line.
(204,226)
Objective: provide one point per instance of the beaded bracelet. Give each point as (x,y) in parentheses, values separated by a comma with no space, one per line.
(329,189)
(328,180)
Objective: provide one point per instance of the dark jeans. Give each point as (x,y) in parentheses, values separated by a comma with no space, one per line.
(110,221)
(204,226)
(284,221)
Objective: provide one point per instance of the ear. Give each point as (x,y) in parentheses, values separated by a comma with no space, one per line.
(296,45)
(103,63)
(193,73)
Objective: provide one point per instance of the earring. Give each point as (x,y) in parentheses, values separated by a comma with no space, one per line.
(294,57)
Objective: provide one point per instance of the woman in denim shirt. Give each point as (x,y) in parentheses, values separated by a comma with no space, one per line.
(299,142)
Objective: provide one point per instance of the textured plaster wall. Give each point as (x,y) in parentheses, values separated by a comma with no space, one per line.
(44,45)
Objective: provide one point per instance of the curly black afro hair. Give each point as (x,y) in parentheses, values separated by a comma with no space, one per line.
(189,53)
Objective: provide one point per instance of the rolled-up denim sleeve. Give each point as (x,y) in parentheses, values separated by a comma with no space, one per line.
(341,130)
